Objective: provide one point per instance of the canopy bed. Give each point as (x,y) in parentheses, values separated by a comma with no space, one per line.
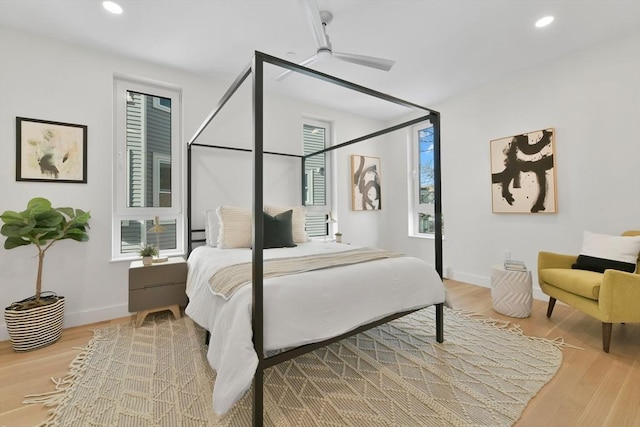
(396,285)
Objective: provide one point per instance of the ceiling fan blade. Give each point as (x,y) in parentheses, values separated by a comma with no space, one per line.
(367,61)
(310,60)
(312,13)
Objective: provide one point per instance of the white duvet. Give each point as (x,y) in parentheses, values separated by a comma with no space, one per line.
(298,309)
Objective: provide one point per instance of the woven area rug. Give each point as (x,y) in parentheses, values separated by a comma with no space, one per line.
(393,375)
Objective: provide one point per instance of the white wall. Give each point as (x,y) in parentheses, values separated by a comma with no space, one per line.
(592,99)
(49,80)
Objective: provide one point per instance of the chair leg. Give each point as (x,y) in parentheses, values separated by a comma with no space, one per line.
(606,336)
(552,303)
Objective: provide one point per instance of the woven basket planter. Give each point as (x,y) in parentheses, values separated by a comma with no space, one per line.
(35,327)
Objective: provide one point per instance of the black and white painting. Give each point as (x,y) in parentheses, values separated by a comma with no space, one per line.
(50,151)
(365,183)
(523,173)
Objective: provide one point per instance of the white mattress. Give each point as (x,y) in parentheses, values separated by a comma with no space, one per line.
(298,309)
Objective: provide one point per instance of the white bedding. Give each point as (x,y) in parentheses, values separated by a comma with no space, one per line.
(298,309)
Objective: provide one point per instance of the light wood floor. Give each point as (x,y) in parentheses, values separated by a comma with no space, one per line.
(591,388)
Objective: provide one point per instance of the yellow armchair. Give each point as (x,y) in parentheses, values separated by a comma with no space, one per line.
(611,297)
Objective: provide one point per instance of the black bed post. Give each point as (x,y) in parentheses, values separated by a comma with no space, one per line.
(435,120)
(189,237)
(257,313)
(437,179)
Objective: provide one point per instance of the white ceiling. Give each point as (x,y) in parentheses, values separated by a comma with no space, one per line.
(441,47)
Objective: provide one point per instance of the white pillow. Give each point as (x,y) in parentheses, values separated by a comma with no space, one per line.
(601,251)
(211,227)
(297,221)
(235,227)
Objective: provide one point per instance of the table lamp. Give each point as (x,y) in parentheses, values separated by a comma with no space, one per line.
(157,229)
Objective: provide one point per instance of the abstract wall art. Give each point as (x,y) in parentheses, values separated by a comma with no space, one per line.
(50,151)
(523,177)
(365,183)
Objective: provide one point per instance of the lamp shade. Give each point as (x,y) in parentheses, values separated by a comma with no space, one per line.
(157,228)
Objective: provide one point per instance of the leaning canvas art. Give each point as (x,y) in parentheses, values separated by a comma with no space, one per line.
(523,175)
(365,183)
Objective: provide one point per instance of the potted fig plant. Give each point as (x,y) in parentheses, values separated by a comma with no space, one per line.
(37,321)
(147,252)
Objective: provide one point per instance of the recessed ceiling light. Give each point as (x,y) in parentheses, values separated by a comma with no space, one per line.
(543,22)
(112,7)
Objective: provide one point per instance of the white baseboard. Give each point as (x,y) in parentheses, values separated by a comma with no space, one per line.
(473,279)
(485,282)
(83,317)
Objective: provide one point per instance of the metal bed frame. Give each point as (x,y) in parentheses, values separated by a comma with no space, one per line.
(256,70)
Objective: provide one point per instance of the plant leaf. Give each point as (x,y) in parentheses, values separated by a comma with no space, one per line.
(19,228)
(82,217)
(11,230)
(67,211)
(14,242)
(38,205)
(11,217)
(46,235)
(77,237)
(49,218)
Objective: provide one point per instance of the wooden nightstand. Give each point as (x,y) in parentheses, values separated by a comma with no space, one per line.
(157,287)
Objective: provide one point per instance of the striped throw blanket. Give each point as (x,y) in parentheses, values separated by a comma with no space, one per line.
(226,281)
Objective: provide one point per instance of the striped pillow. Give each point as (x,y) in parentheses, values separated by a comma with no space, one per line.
(235,227)
(601,252)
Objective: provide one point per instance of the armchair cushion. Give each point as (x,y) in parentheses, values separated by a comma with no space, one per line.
(579,282)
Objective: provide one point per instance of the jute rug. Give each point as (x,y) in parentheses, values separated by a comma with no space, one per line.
(393,375)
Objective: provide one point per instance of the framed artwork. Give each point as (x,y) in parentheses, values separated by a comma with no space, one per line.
(50,151)
(365,183)
(523,173)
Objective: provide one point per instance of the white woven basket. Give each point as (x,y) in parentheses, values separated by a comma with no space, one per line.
(36,327)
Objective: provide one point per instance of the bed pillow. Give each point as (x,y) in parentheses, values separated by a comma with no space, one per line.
(601,252)
(277,230)
(235,227)
(297,221)
(211,227)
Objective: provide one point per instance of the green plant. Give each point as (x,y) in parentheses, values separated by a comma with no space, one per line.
(42,225)
(148,250)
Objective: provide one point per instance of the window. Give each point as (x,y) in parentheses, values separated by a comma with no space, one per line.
(147,168)
(161,180)
(316,137)
(162,103)
(423,184)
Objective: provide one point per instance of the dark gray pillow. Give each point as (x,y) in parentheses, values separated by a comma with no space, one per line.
(277,230)
(599,265)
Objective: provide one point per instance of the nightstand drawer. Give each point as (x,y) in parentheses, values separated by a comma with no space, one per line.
(157,275)
(157,296)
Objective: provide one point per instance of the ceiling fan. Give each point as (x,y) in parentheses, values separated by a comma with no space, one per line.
(318,21)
